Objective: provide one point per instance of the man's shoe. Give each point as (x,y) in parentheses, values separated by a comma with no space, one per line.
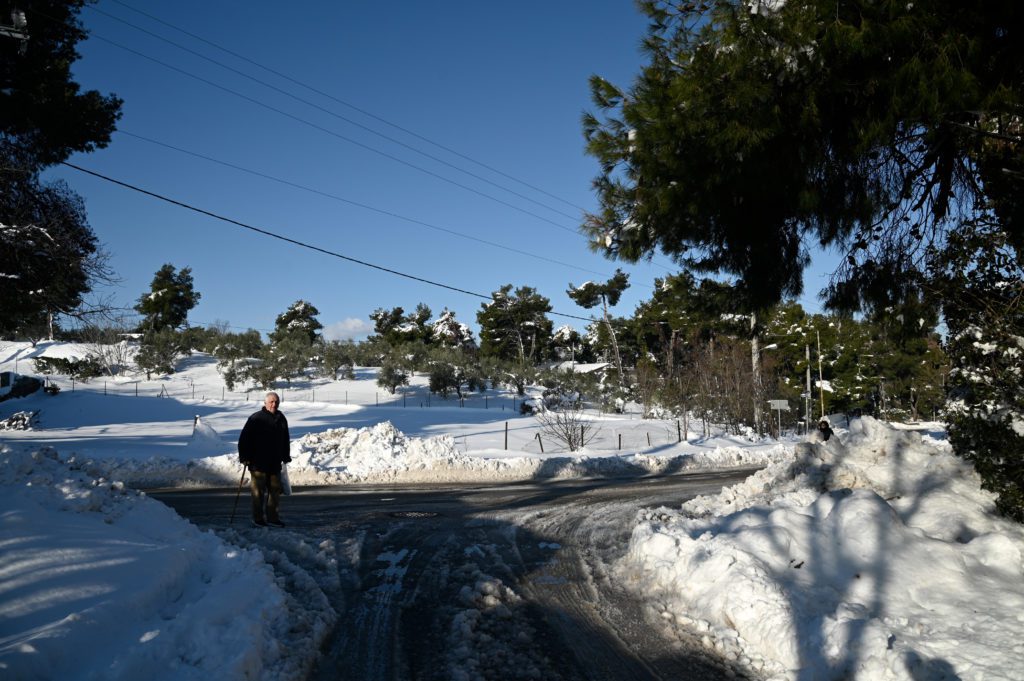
(276,522)
(261,523)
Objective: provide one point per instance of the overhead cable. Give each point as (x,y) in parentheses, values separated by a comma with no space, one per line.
(351,106)
(295,242)
(329,112)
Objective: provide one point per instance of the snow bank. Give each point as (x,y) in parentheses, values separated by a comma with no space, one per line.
(98,581)
(382,453)
(877,558)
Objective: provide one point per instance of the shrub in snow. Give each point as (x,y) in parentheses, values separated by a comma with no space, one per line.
(982,275)
(22,420)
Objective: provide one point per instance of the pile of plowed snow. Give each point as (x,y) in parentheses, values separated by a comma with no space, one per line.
(875,558)
(99,581)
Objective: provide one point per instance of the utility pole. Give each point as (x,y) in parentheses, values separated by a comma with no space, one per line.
(821,388)
(755,365)
(807,395)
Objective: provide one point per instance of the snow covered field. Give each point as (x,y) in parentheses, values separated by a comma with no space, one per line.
(877,557)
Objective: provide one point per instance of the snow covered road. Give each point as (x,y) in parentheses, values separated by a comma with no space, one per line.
(466,582)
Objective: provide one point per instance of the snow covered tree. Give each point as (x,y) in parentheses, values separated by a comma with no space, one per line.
(984,311)
(159,351)
(591,294)
(336,358)
(51,256)
(171,295)
(450,333)
(396,327)
(394,372)
(299,320)
(514,325)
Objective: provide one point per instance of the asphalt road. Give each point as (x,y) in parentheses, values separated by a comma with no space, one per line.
(517,581)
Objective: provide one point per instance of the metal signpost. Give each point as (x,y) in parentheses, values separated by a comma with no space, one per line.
(779,406)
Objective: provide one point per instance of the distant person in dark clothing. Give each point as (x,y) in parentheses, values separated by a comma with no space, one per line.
(824,429)
(263,446)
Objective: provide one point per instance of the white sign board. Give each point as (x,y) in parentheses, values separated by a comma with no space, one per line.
(781,405)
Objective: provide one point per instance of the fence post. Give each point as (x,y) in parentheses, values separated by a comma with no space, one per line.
(506,435)
(541,443)
(485,401)
(222,393)
(581,435)
(104,387)
(679,431)
(620,441)
(648,439)
(403,399)
(136,388)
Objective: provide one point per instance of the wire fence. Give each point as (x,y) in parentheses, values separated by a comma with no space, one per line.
(410,397)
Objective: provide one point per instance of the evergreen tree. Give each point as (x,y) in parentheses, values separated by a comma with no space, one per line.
(299,320)
(171,295)
(394,372)
(336,358)
(450,333)
(51,256)
(877,128)
(606,295)
(514,325)
(984,281)
(158,351)
(850,123)
(396,327)
(44,115)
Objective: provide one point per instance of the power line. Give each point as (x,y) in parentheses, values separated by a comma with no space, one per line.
(358,204)
(343,118)
(296,242)
(329,112)
(342,102)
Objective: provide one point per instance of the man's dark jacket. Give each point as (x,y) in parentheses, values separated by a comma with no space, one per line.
(264,442)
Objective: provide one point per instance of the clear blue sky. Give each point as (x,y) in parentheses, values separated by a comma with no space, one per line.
(503,84)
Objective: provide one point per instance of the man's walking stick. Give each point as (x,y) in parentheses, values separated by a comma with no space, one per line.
(240,481)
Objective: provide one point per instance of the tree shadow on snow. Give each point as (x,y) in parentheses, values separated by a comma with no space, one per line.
(439,582)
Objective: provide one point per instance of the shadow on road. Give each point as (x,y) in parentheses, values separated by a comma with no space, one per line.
(442,582)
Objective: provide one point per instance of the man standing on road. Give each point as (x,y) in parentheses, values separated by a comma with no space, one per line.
(263,446)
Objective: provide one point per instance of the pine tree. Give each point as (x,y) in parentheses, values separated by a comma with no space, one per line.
(514,325)
(171,295)
(606,295)
(299,320)
(984,312)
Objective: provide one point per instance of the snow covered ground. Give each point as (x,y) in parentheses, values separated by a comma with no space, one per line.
(876,557)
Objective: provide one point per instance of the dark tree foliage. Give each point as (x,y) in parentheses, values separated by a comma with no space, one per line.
(171,295)
(51,256)
(395,327)
(757,127)
(44,114)
(49,251)
(514,326)
(298,320)
(982,273)
(876,127)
